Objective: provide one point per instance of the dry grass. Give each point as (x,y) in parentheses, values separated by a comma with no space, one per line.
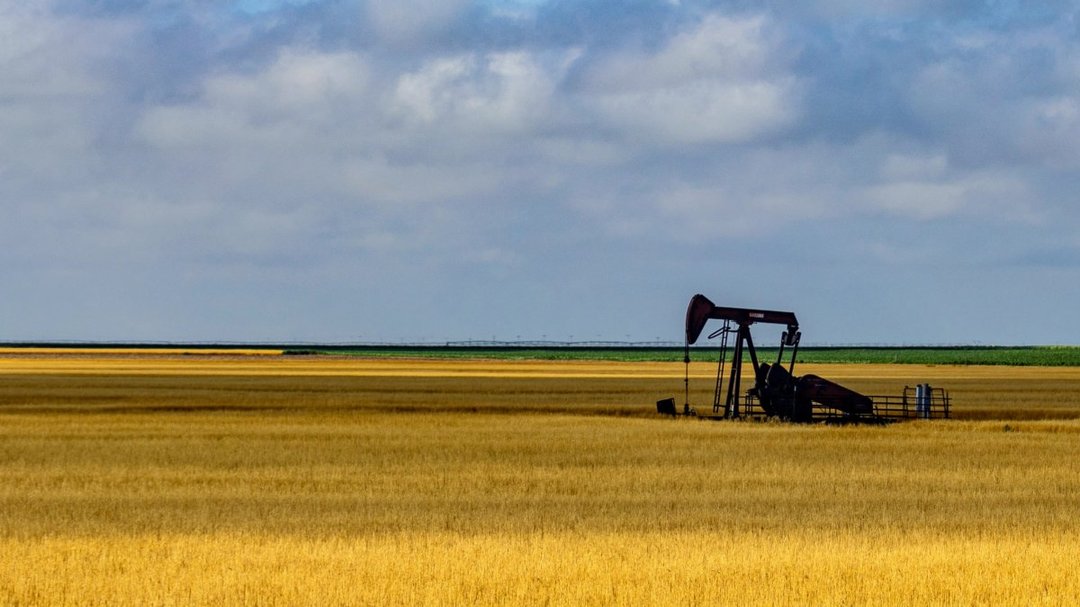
(126,382)
(249,486)
(98,352)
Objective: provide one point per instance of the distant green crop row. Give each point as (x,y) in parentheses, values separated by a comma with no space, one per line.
(1047,356)
(1042,356)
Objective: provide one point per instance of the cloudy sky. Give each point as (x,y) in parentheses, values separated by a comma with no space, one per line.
(321,170)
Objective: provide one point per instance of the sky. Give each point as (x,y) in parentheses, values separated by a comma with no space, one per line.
(896,173)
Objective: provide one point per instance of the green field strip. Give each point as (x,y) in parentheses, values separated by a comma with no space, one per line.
(1046,356)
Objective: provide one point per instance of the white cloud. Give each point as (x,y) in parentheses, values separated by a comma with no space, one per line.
(374,180)
(375,160)
(426,94)
(496,93)
(1001,197)
(582,150)
(300,81)
(754,194)
(724,81)
(717,47)
(42,56)
(54,78)
(900,166)
(300,92)
(1011,98)
(1048,128)
(702,112)
(921,199)
(840,9)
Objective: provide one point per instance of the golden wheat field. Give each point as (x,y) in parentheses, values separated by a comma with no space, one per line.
(159,479)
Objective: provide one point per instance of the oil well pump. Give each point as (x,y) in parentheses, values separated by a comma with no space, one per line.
(776,391)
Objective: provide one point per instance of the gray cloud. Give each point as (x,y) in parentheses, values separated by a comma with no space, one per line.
(411,22)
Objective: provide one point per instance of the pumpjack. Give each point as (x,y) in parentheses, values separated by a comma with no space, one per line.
(777,392)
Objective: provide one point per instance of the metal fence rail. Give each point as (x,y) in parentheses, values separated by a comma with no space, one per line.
(915,403)
(933,405)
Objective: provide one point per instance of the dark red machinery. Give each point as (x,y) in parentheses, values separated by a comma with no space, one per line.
(777,392)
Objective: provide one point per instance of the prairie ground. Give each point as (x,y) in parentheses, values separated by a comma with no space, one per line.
(289,480)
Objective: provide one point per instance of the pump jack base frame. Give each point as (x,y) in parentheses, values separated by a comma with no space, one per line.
(935,403)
